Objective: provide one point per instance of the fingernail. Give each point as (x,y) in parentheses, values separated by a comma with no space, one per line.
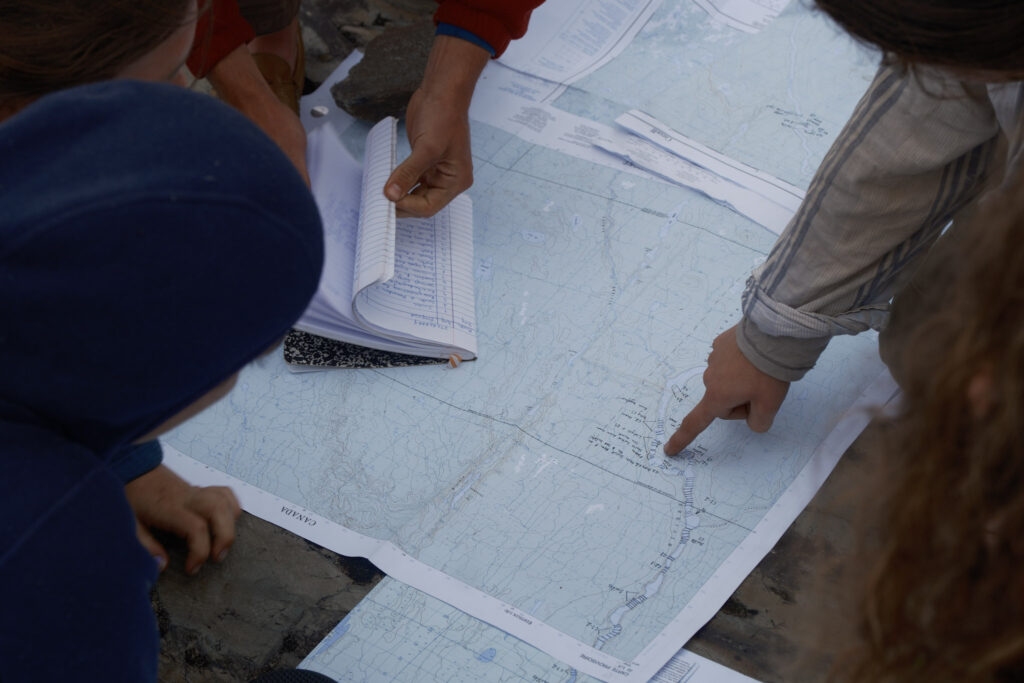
(223,555)
(161,562)
(195,570)
(393,192)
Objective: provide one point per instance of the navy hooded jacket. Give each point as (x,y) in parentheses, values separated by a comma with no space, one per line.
(152,242)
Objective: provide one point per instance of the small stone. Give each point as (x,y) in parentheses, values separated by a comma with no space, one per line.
(319,111)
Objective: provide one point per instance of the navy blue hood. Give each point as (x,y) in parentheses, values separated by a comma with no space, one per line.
(152,242)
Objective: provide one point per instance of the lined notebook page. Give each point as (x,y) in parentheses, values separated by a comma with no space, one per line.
(335,181)
(375,250)
(431,294)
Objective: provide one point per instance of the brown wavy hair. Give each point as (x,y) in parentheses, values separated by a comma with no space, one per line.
(945,598)
(973,35)
(49,45)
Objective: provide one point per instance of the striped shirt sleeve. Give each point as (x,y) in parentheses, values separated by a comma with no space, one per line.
(917,148)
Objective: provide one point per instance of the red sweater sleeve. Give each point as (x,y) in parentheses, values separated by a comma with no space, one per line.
(219,31)
(496,21)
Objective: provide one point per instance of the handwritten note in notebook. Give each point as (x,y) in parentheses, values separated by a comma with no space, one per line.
(402,285)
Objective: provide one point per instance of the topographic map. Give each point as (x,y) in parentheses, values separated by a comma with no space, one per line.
(774,100)
(398,633)
(535,473)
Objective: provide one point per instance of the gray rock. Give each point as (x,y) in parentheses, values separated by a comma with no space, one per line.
(391,70)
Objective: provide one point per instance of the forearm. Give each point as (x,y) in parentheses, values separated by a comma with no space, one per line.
(909,157)
(452,70)
(239,83)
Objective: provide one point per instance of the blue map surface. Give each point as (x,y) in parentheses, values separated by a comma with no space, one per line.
(535,473)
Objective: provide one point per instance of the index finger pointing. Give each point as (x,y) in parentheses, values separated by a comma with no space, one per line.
(692,425)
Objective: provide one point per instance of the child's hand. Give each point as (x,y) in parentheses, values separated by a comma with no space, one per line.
(204,517)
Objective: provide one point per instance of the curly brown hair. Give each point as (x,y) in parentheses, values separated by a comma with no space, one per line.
(48,45)
(945,599)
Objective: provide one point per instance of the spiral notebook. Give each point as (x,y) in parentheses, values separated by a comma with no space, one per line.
(401,285)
